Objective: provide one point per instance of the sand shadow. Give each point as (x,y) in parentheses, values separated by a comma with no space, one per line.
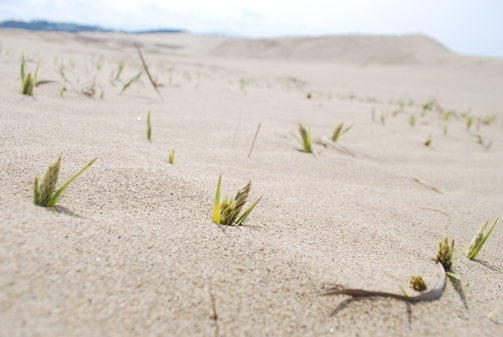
(485,264)
(459,289)
(65,211)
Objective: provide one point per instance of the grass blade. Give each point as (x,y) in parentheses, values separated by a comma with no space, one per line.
(57,195)
(479,247)
(216,205)
(171,158)
(131,81)
(243,217)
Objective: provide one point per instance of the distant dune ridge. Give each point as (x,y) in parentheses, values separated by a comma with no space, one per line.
(353,48)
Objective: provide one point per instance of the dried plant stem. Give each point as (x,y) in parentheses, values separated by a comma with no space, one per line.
(430,295)
(148,73)
(254,138)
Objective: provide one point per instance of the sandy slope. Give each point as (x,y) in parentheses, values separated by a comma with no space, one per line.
(131,249)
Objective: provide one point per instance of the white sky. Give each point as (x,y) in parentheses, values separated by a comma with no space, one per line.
(465,26)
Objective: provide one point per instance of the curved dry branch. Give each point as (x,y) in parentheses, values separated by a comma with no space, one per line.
(427,296)
(148,73)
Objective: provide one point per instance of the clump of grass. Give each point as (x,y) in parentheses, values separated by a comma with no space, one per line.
(472,249)
(227,211)
(131,81)
(427,142)
(27,81)
(339,132)
(428,106)
(45,193)
(305,139)
(417,283)
(445,254)
(412,120)
(171,157)
(149,127)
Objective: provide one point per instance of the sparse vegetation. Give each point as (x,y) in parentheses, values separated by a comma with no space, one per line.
(427,142)
(412,120)
(44,190)
(428,106)
(339,132)
(149,127)
(472,249)
(131,81)
(120,67)
(227,211)
(27,81)
(417,283)
(171,158)
(305,139)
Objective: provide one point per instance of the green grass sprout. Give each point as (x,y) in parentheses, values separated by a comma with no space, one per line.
(427,142)
(131,81)
(149,127)
(417,283)
(339,132)
(120,67)
(428,106)
(27,81)
(472,249)
(44,190)
(227,211)
(63,89)
(412,120)
(305,139)
(445,254)
(171,158)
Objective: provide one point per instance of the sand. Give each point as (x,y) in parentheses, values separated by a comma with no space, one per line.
(131,250)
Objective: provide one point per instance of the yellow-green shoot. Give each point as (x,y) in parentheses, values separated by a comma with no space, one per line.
(305,139)
(339,132)
(120,67)
(135,78)
(472,249)
(427,142)
(171,157)
(149,127)
(227,211)
(469,121)
(429,105)
(45,193)
(27,81)
(412,120)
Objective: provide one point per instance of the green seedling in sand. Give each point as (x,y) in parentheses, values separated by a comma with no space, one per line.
(472,249)
(447,116)
(305,139)
(427,142)
(428,106)
(383,119)
(417,283)
(445,254)
(131,81)
(45,193)
(171,157)
(412,120)
(149,127)
(27,81)
(120,67)
(227,211)
(469,121)
(61,70)
(63,89)
(338,132)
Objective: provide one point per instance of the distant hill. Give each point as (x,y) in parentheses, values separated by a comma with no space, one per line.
(42,25)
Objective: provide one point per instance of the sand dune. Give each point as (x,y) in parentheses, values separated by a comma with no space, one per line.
(131,250)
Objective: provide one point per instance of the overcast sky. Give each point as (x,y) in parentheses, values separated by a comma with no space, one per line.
(466,26)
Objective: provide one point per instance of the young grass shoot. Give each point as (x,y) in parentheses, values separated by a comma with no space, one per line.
(131,81)
(27,81)
(339,132)
(227,211)
(171,157)
(472,249)
(149,127)
(45,193)
(305,139)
